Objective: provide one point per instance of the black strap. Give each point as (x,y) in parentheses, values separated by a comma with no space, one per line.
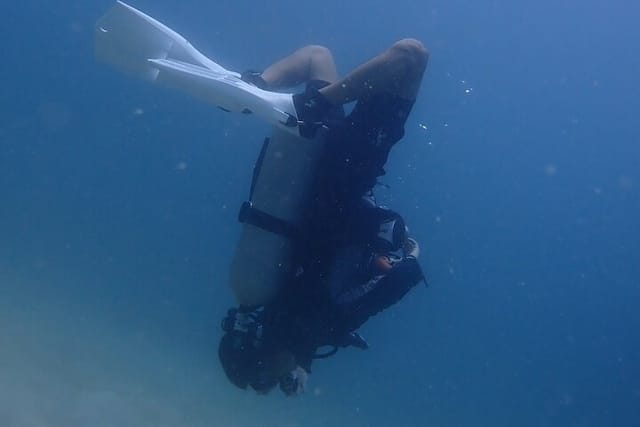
(326,354)
(258,166)
(250,215)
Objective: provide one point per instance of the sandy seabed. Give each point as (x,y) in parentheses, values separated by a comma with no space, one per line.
(63,364)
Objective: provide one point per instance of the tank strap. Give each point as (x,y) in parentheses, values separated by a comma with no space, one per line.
(251,215)
(258,166)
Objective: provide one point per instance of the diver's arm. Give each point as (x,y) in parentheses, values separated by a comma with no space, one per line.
(381,292)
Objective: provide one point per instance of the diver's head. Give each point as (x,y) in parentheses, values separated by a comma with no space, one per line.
(241,348)
(238,359)
(245,357)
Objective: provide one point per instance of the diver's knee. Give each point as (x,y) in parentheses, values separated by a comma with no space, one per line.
(321,65)
(412,52)
(319,53)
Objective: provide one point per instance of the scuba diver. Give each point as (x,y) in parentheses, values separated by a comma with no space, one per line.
(318,268)
(355,258)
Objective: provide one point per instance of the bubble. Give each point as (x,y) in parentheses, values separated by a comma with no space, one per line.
(625,182)
(54,116)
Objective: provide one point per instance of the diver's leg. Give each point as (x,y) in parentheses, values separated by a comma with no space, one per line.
(308,63)
(398,70)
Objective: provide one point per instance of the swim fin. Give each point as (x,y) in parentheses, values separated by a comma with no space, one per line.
(136,43)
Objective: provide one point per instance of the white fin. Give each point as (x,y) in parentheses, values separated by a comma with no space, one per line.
(135,43)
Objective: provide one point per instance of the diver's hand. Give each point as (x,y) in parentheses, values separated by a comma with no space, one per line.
(411,248)
(294,382)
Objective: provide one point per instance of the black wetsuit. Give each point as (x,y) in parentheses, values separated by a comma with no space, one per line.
(308,313)
(357,148)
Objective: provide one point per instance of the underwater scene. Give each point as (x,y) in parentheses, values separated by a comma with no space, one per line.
(443,228)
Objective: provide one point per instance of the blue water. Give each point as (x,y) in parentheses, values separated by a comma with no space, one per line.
(118,204)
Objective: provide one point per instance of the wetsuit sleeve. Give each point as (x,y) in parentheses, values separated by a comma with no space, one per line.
(366,300)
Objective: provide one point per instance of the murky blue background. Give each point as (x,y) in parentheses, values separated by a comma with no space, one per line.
(118,206)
